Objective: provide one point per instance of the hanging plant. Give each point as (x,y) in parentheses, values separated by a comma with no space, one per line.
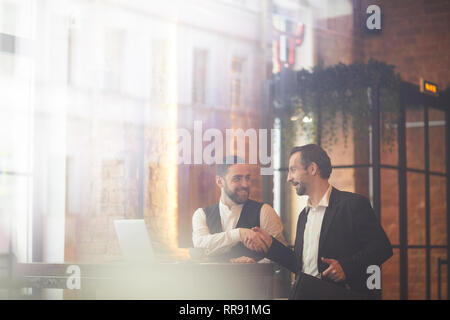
(349,90)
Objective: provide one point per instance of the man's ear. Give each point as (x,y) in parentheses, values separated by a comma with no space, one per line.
(219,181)
(313,169)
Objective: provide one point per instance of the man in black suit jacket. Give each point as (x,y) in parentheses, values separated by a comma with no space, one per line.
(338,234)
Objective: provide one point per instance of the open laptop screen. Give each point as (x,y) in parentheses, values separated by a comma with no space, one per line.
(134,240)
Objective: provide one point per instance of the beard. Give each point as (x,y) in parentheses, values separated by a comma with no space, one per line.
(235,196)
(300,188)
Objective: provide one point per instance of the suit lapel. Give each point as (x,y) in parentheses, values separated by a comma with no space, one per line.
(330,212)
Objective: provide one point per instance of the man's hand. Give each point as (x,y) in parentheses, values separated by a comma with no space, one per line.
(264,236)
(261,241)
(334,271)
(242,260)
(252,240)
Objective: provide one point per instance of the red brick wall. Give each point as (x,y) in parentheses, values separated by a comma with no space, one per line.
(415,38)
(335,43)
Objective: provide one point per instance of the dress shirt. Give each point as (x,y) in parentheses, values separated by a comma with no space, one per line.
(312,233)
(221,242)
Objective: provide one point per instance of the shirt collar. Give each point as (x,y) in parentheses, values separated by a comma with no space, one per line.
(223,206)
(325,199)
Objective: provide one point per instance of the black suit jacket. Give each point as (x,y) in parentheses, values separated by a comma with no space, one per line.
(350,233)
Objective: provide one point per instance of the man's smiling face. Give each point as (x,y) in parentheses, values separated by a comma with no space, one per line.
(298,176)
(236,183)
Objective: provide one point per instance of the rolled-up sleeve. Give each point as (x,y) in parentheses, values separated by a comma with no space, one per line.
(213,243)
(271,223)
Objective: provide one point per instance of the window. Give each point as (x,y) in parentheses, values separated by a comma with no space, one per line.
(200,76)
(7,49)
(237,79)
(113,57)
(8,15)
(71,55)
(159,71)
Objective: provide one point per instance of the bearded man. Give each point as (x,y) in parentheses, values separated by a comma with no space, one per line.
(338,234)
(222,228)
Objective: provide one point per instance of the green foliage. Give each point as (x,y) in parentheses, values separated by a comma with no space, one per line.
(323,93)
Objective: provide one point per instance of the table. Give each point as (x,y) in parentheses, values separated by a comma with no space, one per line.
(182,280)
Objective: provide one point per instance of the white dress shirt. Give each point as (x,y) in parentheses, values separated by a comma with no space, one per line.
(221,242)
(312,234)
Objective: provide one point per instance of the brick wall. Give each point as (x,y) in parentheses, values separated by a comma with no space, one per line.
(414,38)
(335,42)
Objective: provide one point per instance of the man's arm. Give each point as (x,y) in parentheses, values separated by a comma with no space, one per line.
(276,251)
(376,247)
(283,255)
(219,242)
(271,223)
(213,243)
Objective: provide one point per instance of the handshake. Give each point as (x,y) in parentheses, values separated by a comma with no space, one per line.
(255,239)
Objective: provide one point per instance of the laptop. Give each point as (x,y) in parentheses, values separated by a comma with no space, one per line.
(134,241)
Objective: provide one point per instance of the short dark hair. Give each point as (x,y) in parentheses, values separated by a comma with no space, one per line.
(222,168)
(314,153)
